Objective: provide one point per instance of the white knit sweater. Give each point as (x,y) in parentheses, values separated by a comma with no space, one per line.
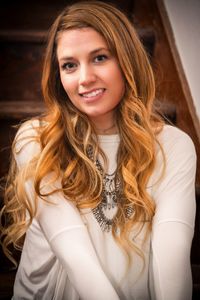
(66,255)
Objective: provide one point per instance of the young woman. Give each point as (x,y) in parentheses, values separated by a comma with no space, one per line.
(100,188)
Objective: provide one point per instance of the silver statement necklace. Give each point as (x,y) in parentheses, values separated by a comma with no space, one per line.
(105,212)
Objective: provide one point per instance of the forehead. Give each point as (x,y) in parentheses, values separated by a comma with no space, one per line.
(84,39)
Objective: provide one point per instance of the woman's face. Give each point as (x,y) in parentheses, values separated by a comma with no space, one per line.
(90,74)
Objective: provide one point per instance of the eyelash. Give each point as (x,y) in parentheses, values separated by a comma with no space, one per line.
(102,56)
(66,65)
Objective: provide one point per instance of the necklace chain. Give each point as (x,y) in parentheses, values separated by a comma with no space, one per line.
(105,212)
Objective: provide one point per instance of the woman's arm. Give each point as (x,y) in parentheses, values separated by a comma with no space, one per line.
(70,241)
(173,224)
(62,225)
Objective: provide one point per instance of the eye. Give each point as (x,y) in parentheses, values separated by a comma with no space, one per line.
(69,66)
(100,58)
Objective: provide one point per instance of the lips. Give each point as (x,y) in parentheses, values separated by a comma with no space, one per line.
(92,93)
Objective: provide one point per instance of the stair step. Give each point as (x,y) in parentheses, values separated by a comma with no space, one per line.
(35,36)
(21,68)
(41,14)
(147,36)
(20,109)
(24,109)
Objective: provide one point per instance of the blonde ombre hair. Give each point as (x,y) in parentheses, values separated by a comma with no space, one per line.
(66,132)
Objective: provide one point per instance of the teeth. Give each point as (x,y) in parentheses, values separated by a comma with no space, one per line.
(92,94)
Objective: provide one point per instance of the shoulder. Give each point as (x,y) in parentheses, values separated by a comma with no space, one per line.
(27,130)
(26,143)
(175,155)
(176,143)
(172,184)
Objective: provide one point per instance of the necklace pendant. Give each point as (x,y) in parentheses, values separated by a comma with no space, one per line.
(106,211)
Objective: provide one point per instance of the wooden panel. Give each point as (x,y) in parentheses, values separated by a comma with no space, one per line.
(41,14)
(21,56)
(20,109)
(169,88)
(21,66)
(7,132)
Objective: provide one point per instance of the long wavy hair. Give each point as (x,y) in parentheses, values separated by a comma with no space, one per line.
(65,133)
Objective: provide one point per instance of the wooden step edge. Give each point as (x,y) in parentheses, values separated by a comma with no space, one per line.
(40,36)
(23,109)
(33,36)
(20,109)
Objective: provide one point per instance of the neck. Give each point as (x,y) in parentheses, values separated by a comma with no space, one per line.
(109,130)
(105,124)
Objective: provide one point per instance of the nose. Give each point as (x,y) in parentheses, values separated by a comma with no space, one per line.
(86,75)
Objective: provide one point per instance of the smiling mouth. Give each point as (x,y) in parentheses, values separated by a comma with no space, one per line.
(92,93)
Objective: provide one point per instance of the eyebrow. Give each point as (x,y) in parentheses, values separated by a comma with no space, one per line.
(64,58)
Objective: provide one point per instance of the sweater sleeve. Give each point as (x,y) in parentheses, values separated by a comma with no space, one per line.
(67,235)
(173,224)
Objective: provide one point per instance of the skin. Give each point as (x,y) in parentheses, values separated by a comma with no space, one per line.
(91,76)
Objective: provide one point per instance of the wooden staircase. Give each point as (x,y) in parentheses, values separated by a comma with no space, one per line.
(23,31)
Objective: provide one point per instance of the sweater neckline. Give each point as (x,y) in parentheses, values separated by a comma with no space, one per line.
(109,138)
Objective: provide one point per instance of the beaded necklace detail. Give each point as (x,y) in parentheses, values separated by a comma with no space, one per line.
(105,212)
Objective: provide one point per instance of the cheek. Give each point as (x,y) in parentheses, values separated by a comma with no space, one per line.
(116,76)
(69,85)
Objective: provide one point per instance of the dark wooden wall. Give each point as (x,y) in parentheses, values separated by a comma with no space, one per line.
(23,30)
